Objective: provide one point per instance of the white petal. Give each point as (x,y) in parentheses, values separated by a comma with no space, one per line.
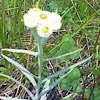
(30,21)
(55,21)
(44,34)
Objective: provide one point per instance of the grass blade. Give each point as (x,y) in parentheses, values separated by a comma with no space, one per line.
(83,25)
(23,70)
(9,77)
(92,7)
(76,11)
(65,13)
(2,25)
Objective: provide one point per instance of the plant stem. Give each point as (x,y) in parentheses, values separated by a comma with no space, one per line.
(3,29)
(40,61)
(3,24)
(38,3)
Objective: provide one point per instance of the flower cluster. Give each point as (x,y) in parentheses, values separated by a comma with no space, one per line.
(45,22)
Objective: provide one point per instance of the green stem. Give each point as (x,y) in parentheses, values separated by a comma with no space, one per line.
(3,24)
(3,29)
(40,61)
(38,3)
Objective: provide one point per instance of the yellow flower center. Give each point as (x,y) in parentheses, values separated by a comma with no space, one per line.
(43,16)
(45,30)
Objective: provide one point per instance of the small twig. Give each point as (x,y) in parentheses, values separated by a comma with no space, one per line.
(91,7)
(84,85)
(92,88)
(58,88)
(30,47)
(96,43)
(76,11)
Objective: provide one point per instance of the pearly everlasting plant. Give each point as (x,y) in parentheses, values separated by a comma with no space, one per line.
(42,24)
(44,21)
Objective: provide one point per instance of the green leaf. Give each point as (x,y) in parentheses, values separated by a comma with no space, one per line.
(95,95)
(45,72)
(72,80)
(68,42)
(74,54)
(23,70)
(2,79)
(2,69)
(65,86)
(87,93)
(53,84)
(22,51)
(66,47)
(74,75)
(65,70)
(99,56)
(54,6)
(77,87)
(68,97)
(95,71)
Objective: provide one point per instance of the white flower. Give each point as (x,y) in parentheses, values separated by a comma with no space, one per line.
(45,22)
(44,17)
(44,30)
(55,21)
(30,20)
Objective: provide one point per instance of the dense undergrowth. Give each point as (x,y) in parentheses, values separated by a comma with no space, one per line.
(80,29)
